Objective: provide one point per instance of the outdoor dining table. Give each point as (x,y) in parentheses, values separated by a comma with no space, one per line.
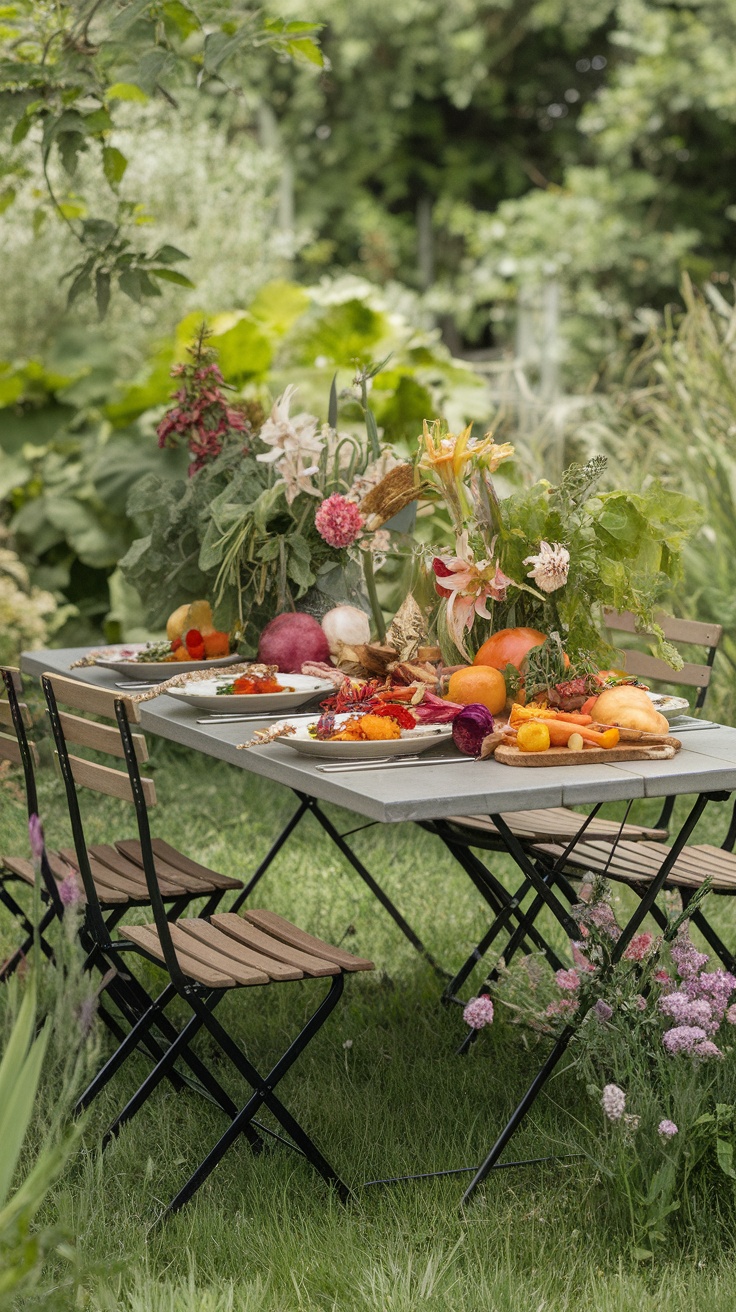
(705,768)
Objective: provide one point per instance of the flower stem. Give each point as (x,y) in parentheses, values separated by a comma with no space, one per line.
(370,584)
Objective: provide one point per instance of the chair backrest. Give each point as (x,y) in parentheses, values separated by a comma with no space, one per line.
(79,772)
(685,632)
(15,745)
(140,801)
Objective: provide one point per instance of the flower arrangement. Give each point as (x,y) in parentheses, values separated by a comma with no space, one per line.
(549,558)
(280,511)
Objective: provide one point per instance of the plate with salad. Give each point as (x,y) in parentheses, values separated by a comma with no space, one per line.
(268,691)
(156,661)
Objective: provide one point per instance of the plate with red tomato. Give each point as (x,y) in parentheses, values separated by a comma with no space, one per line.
(156,661)
(256,693)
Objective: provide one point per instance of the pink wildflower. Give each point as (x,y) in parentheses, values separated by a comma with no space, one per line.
(478,1012)
(706,1050)
(638,947)
(69,891)
(613,1101)
(667,1129)
(662,977)
(338,521)
(35,835)
(684,1010)
(640,1002)
(579,957)
(685,955)
(567,979)
(683,1038)
(731,1014)
(562,1007)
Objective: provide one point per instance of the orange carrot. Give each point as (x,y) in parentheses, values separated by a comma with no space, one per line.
(560,732)
(521,714)
(587,707)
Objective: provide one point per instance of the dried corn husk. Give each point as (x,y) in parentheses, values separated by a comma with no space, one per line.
(397,489)
(406,630)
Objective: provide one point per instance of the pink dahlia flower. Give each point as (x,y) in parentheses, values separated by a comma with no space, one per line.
(338,521)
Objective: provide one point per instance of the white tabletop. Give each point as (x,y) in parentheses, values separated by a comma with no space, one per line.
(707,762)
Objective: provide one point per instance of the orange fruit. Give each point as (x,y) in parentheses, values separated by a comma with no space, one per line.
(478,683)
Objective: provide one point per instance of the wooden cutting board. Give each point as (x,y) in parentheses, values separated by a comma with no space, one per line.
(663,750)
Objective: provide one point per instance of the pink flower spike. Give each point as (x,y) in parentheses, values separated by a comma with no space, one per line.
(35,835)
(69,891)
(478,1012)
(338,521)
(567,979)
(667,1129)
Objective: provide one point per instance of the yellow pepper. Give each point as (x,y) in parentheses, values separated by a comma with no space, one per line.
(533,737)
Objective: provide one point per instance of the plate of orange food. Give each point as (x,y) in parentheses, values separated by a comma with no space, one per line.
(192,643)
(260,689)
(357,737)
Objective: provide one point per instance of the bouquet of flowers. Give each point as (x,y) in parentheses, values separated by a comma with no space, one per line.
(549,558)
(279,510)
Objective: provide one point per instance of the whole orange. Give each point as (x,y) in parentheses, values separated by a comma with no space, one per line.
(478,683)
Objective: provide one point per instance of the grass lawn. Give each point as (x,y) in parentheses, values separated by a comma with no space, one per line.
(380,1089)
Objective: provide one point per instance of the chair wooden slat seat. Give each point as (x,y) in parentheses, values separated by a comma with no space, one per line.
(638,863)
(299,938)
(221,954)
(558,824)
(177,864)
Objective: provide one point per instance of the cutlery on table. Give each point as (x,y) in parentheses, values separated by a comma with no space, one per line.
(395,763)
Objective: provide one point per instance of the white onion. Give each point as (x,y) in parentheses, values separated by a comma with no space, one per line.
(345,626)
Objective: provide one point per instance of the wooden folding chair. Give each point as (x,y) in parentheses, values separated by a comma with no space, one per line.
(550,833)
(18,871)
(203,958)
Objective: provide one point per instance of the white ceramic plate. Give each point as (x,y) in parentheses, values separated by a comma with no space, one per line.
(669,707)
(123,662)
(203,694)
(411,741)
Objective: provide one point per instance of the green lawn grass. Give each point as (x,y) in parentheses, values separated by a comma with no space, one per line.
(381,1089)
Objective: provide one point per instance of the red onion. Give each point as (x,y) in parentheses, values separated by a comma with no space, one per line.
(290,639)
(470,727)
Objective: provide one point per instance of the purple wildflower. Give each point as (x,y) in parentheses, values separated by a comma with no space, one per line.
(684,1010)
(683,1038)
(685,955)
(706,1050)
(667,1129)
(731,1014)
(35,834)
(640,1002)
(602,916)
(478,1012)
(69,890)
(568,980)
(613,1101)
(602,1011)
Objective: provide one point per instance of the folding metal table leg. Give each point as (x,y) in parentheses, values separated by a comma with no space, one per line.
(271,854)
(375,888)
(569,1031)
